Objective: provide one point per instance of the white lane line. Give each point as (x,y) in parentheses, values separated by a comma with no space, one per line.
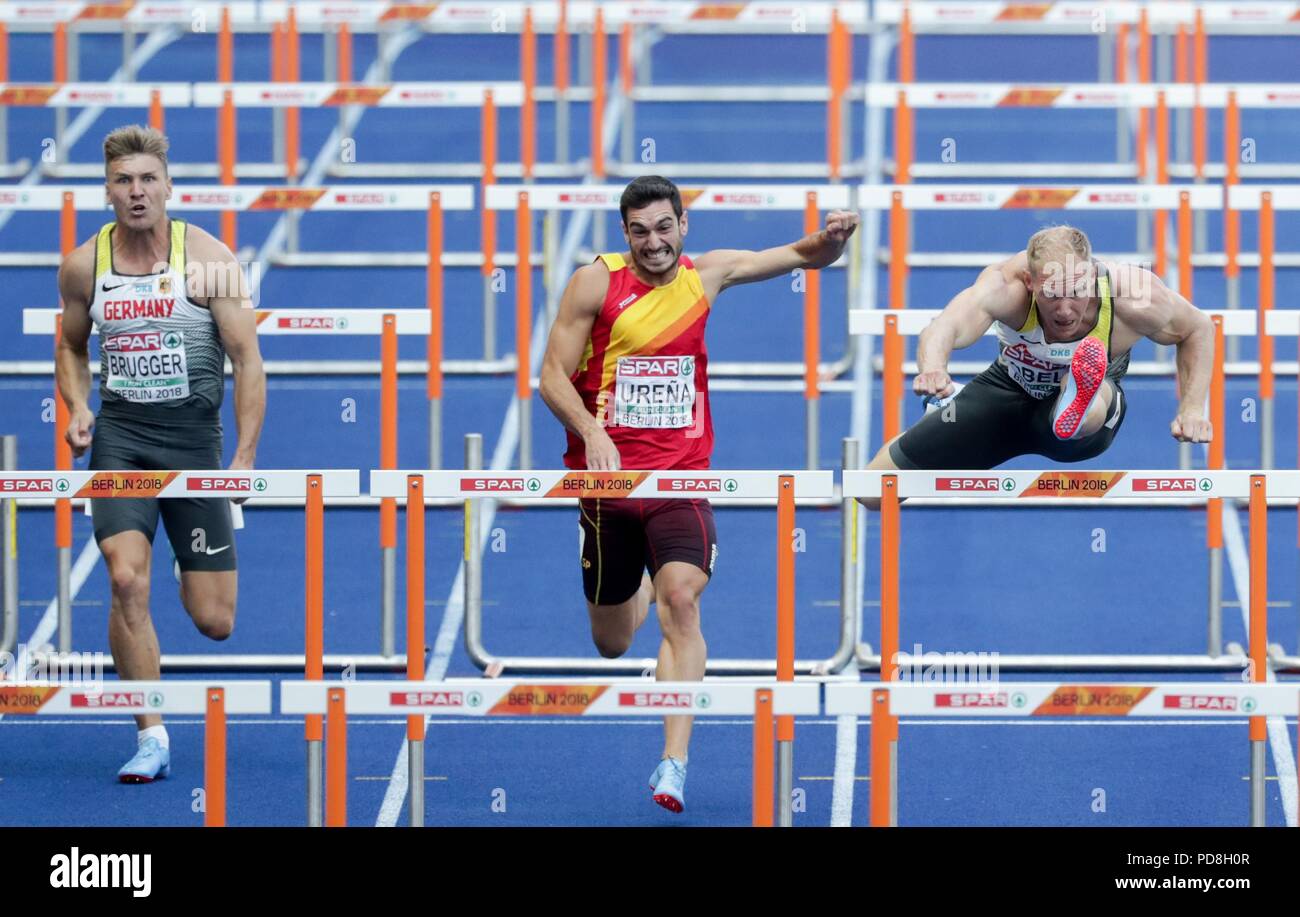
(1279,737)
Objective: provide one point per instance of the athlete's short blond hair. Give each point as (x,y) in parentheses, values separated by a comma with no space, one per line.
(1056,245)
(135,139)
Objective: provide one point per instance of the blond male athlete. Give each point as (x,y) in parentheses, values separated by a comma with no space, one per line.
(170,304)
(1065,323)
(626,373)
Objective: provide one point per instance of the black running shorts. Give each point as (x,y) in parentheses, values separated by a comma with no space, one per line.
(200,530)
(993,420)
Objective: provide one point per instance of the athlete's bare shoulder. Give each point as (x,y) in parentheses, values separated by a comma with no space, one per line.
(211,270)
(77,274)
(587,288)
(1003,291)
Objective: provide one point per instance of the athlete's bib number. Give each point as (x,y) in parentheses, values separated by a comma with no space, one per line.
(654,392)
(1040,378)
(147,366)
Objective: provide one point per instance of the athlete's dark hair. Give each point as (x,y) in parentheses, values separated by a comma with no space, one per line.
(646,190)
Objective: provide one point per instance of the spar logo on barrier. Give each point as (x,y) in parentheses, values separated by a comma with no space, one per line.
(313,322)
(743,199)
(968,699)
(427,698)
(1122,198)
(212,198)
(586,198)
(699,485)
(27,486)
(547,700)
(970,484)
(365,199)
(498,483)
(1208,702)
(1171,485)
(961,198)
(118,700)
(243,485)
(664,700)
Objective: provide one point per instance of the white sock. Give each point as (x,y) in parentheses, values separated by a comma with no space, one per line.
(154,732)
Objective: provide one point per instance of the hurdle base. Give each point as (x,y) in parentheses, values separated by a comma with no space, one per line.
(212,662)
(1236,662)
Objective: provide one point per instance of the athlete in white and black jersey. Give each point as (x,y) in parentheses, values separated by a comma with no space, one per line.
(1066,323)
(170,303)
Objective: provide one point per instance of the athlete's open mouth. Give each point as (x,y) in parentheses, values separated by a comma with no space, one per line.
(138,209)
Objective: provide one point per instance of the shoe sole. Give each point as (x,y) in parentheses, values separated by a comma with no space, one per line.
(668,802)
(1087,373)
(141,778)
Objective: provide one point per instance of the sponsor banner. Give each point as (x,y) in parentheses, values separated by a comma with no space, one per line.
(663,700)
(500,484)
(1092,700)
(697,485)
(969,484)
(22,485)
(1040,198)
(27,95)
(444,700)
(24,700)
(126,483)
(547,700)
(1088,484)
(1192,702)
(356,95)
(1030,97)
(969,699)
(287,199)
(597,484)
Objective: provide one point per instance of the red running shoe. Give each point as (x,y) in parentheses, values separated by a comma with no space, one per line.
(1087,373)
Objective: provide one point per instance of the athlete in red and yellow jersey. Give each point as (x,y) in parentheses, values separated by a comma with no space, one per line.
(626,373)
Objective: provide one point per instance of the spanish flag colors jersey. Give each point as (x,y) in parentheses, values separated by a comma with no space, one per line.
(644,373)
(1039,365)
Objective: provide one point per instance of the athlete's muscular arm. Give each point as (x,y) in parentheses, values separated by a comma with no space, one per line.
(995,295)
(725,267)
(1152,310)
(72,358)
(564,348)
(223,288)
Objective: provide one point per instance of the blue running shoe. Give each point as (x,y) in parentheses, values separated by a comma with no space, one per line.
(670,788)
(152,762)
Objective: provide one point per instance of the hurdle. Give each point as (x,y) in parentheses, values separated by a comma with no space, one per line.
(884,703)
(523,200)
(471,697)
(1024,489)
(311,487)
(214,701)
(388,324)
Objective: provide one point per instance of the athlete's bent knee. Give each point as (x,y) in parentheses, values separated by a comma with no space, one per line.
(680,607)
(611,647)
(127,582)
(215,623)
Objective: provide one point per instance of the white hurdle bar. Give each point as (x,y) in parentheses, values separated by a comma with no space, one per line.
(890,488)
(211,700)
(885,702)
(472,697)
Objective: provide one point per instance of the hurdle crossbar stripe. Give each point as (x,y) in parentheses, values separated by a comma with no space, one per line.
(255,197)
(1251,197)
(707,197)
(1285,323)
(543,485)
(1086,485)
(290,321)
(118,698)
(1040,197)
(1083,95)
(394,95)
(911,322)
(1037,699)
(551,697)
(59,485)
(79,95)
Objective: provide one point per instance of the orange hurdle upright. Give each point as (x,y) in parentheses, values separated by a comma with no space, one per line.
(884,725)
